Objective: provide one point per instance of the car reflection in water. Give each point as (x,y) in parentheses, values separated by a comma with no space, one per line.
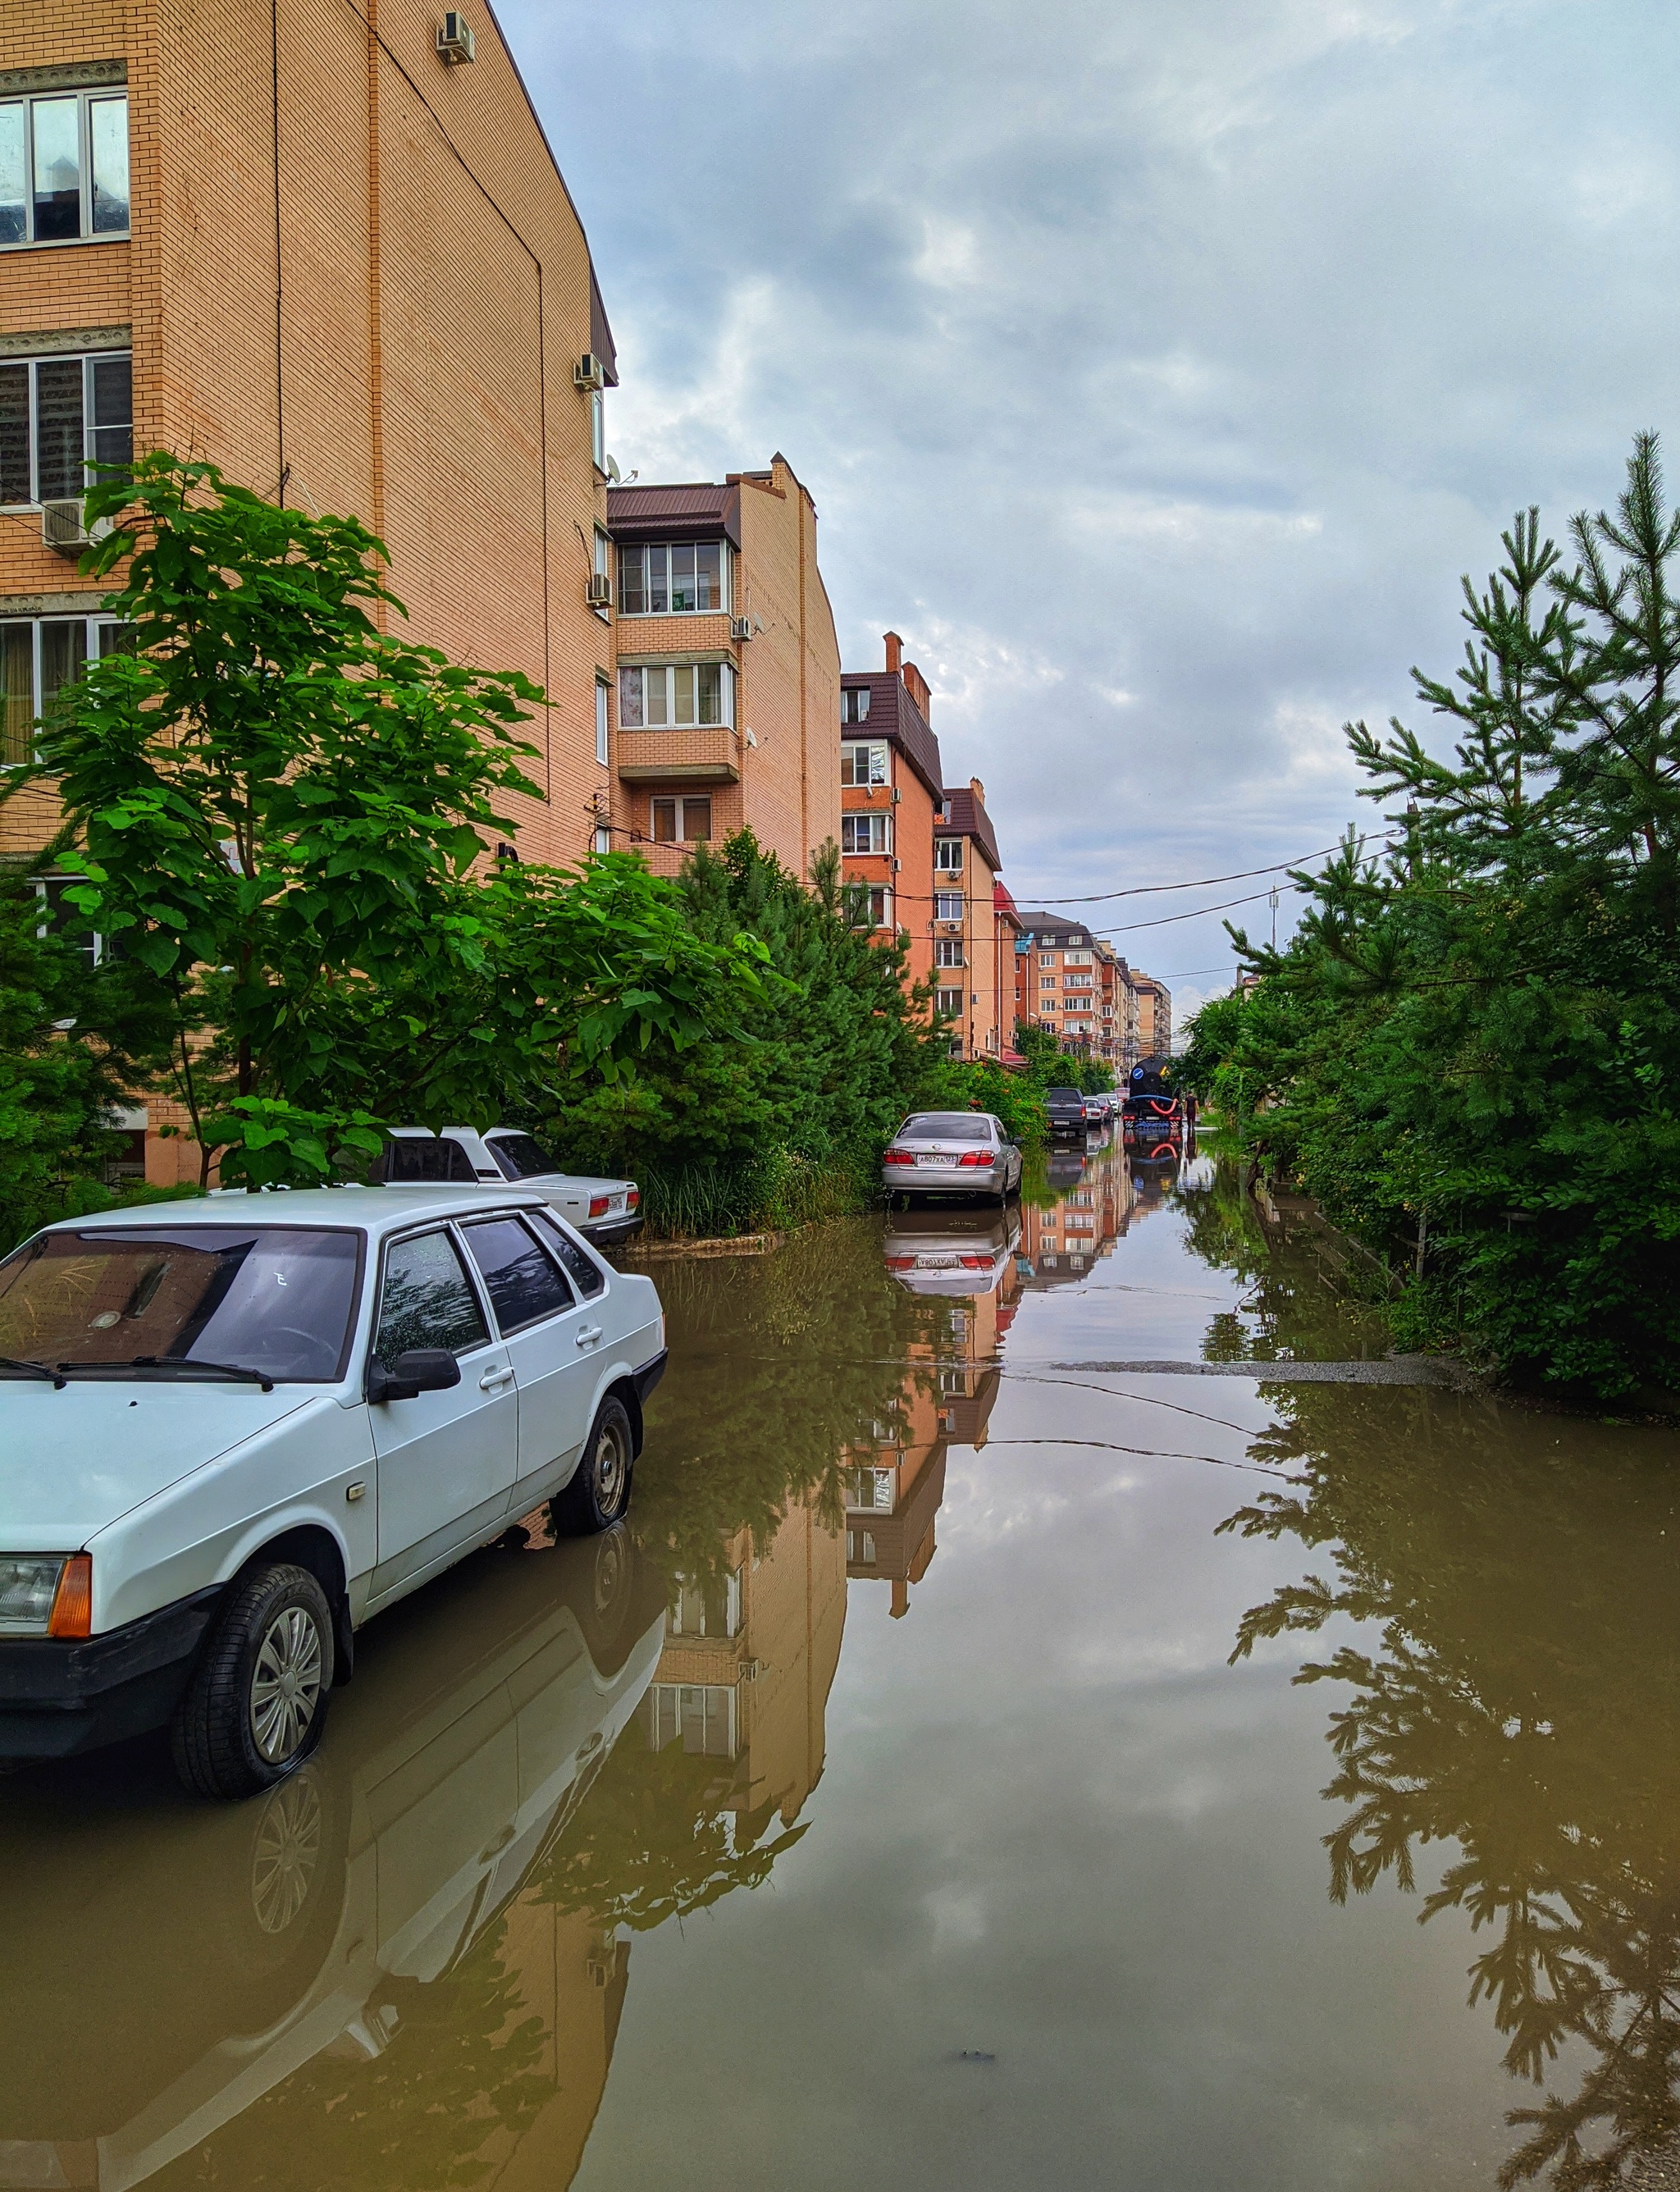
(235,1975)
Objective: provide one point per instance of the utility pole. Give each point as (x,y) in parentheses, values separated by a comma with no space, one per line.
(1274,916)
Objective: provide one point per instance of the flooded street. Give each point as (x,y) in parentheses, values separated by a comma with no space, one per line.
(885,1808)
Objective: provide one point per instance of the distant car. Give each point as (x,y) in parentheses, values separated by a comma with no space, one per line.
(604,1211)
(228,1438)
(952,1153)
(1066,1110)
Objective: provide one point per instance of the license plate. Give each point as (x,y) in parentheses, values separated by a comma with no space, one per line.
(945,1161)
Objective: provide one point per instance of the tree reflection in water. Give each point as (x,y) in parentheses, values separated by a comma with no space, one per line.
(1523,1705)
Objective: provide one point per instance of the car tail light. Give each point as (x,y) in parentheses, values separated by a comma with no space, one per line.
(970,1158)
(900,1263)
(898,1156)
(72,1611)
(632,1201)
(599,1205)
(975,1263)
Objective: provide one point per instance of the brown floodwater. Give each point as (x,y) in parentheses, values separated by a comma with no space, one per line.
(885,1806)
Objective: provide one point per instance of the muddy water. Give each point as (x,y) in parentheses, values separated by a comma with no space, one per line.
(884,1808)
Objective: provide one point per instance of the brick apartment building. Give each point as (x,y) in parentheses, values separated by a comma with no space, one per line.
(342,264)
(728,670)
(974,943)
(1155,1016)
(890,790)
(1061,985)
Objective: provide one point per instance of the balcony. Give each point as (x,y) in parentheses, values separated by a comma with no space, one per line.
(708,755)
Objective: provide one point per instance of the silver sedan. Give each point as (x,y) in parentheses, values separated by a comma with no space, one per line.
(952,1153)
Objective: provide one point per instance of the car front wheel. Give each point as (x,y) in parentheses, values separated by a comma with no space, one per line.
(599,1491)
(254,1706)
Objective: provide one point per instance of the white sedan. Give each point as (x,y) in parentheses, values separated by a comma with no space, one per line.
(604,1211)
(228,1437)
(952,1153)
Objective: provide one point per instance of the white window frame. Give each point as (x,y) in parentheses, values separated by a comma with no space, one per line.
(86,97)
(597,430)
(601,840)
(855,704)
(637,679)
(874,825)
(947,856)
(876,749)
(948,1003)
(87,360)
(602,721)
(872,919)
(948,951)
(94,648)
(646,548)
(943,901)
(679,800)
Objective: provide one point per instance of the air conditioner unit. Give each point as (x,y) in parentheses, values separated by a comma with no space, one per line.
(741,627)
(599,590)
(589,372)
(65,528)
(455,38)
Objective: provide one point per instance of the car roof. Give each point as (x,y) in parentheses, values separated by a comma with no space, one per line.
(375,1210)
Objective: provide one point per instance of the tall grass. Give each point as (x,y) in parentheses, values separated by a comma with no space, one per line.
(766,1193)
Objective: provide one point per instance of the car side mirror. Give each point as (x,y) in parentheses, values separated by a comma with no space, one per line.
(417,1370)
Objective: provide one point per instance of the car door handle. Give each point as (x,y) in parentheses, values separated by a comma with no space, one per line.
(588,1335)
(491,1378)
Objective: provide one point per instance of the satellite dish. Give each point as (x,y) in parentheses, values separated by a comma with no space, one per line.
(612,470)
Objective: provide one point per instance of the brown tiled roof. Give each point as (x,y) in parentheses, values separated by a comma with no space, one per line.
(1053,929)
(968,819)
(697,507)
(893,715)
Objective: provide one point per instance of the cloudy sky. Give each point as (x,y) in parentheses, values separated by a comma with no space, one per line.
(1156,369)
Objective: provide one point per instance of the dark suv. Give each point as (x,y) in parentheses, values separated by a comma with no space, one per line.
(1066,1108)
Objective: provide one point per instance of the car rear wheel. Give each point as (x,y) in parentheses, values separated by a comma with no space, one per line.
(599,1494)
(255,1705)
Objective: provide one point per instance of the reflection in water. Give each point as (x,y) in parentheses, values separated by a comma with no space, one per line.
(1522,1709)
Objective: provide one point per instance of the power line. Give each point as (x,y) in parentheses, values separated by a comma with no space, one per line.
(1204,882)
(1162,920)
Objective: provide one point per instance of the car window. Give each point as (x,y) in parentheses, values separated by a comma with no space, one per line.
(587,1274)
(275,1298)
(947,1126)
(417,1159)
(427,1300)
(519,1156)
(523,1285)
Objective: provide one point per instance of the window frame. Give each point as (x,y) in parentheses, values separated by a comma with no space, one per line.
(641,550)
(879,823)
(603,709)
(458,1249)
(855,704)
(93,650)
(643,671)
(88,361)
(678,801)
(947,1011)
(87,96)
(597,431)
(947,856)
(849,749)
(572,1300)
(941,900)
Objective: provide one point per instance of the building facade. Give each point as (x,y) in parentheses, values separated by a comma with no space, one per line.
(1155,1016)
(973,967)
(890,790)
(343,264)
(1062,984)
(726,711)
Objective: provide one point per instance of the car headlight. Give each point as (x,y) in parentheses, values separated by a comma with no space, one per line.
(45,1593)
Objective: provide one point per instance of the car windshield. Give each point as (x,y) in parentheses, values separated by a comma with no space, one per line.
(945,1127)
(1063,1096)
(417,1160)
(520,1156)
(278,1299)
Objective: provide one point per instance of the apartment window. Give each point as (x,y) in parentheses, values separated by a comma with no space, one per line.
(855,704)
(58,415)
(676,694)
(1046,982)
(598,429)
(947,905)
(948,855)
(671,578)
(948,951)
(876,907)
(1079,959)
(865,833)
(949,1003)
(601,840)
(701,1716)
(861,765)
(1047,958)
(601,709)
(1077,981)
(38,657)
(861,1548)
(682,821)
(64,166)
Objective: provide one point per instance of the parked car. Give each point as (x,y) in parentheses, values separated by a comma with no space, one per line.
(954,1253)
(226,1440)
(952,1153)
(604,1211)
(1066,1110)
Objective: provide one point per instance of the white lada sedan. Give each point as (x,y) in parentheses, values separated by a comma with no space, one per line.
(232,1431)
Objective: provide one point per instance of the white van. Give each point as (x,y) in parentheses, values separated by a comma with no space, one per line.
(230,1435)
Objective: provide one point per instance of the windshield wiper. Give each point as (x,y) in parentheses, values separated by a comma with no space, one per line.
(31,1370)
(180,1362)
